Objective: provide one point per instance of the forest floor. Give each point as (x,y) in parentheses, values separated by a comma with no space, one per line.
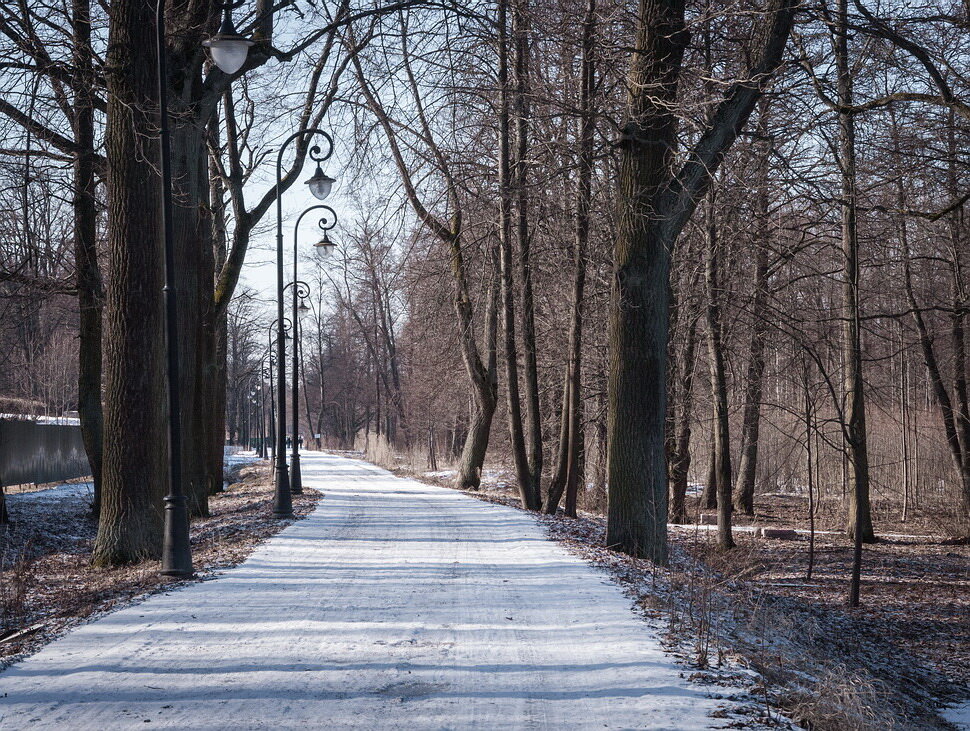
(48,585)
(894,663)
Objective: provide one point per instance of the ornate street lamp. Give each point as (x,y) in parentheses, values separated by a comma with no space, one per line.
(300,292)
(320,185)
(176,550)
(228,49)
(324,248)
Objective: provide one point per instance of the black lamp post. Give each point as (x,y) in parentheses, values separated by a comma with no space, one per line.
(176,551)
(229,51)
(301,290)
(320,185)
(270,450)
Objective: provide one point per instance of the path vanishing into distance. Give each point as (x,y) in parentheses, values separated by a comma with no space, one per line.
(395,605)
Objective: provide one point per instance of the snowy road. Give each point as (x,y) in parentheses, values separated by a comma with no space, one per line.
(396,605)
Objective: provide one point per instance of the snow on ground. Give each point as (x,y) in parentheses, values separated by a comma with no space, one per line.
(441,473)
(395,605)
(234,459)
(959,716)
(84,490)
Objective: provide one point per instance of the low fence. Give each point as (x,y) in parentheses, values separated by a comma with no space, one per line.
(40,452)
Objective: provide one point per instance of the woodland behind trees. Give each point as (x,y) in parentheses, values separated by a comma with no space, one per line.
(655,259)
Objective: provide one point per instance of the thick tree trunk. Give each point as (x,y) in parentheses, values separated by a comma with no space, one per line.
(194,288)
(637,514)
(134,458)
(87,269)
(652,211)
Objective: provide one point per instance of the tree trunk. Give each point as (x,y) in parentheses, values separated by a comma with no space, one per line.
(520,454)
(680,459)
(709,493)
(751,416)
(521,111)
(637,514)
(652,209)
(217,375)
(721,445)
(87,270)
(134,457)
(484,398)
(194,290)
(958,246)
(570,473)
(859,519)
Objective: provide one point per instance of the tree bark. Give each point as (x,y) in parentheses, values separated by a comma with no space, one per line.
(134,458)
(859,518)
(721,445)
(754,377)
(87,269)
(570,472)
(637,513)
(652,211)
(521,111)
(680,459)
(520,454)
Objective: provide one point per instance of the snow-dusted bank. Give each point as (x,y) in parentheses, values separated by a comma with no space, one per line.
(395,605)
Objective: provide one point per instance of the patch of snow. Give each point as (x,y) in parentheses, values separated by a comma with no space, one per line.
(441,473)
(52,494)
(958,715)
(240,458)
(62,420)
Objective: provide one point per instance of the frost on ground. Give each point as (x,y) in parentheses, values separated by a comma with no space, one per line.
(394,605)
(47,583)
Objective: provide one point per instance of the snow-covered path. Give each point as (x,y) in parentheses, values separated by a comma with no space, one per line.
(396,605)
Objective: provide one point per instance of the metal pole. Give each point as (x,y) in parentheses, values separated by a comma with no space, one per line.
(296,479)
(272,413)
(262,413)
(282,500)
(176,550)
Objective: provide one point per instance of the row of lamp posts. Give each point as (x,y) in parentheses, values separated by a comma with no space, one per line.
(229,51)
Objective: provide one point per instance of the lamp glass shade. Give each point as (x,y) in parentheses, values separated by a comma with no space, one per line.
(324,248)
(320,184)
(229,52)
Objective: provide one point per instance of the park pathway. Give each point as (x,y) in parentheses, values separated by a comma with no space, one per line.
(396,605)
